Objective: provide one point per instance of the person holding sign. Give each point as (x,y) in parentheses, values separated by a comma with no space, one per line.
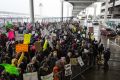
(56,71)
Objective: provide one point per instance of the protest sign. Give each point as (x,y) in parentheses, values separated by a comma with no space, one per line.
(19,37)
(33,32)
(80,61)
(38,46)
(27,38)
(45,45)
(11,35)
(16,32)
(73,61)
(47,77)
(21,48)
(30,76)
(68,70)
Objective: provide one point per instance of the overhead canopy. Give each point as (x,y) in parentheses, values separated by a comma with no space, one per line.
(79,5)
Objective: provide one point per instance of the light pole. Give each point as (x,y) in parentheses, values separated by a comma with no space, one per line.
(32,12)
(95,6)
(40,5)
(62,8)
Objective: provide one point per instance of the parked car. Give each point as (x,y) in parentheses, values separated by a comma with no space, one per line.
(89,21)
(108,32)
(95,22)
(118,29)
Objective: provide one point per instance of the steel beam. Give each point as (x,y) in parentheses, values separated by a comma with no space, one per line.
(81,1)
(80,6)
(101,0)
(76,10)
(88,0)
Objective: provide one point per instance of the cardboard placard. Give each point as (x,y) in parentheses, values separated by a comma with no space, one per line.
(21,48)
(27,38)
(47,77)
(19,37)
(80,61)
(30,76)
(33,32)
(73,61)
(38,46)
(11,35)
(68,70)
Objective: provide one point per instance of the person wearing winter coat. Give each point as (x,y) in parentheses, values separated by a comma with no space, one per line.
(106,57)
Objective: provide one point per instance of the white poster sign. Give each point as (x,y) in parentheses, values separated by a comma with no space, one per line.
(33,32)
(68,70)
(80,61)
(19,37)
(47,77)
(30,76)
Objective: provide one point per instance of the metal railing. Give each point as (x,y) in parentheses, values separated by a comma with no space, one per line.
(27,19)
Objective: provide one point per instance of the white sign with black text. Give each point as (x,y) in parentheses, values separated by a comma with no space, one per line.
(68,70)
(30,76)
(80,61)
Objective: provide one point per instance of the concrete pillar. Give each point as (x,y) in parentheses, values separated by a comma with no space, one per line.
(67,10)
(106,10)
(32,12)
(95,6)
(40,5)
(62,8)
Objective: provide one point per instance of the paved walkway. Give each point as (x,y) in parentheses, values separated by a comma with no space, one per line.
(113,73)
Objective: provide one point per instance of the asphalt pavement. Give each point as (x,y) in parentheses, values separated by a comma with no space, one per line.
(113,73)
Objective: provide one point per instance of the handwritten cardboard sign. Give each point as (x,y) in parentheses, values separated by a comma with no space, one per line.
(38,46)
(21,48)
(68,70)
(80,61)
(30,76)
(73,61)
(27,38)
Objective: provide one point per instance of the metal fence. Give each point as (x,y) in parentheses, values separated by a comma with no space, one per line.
(27,19)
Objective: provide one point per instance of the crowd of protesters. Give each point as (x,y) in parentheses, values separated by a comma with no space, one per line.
(65,40)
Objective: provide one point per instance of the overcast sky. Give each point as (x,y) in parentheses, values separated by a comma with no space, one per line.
(50,8)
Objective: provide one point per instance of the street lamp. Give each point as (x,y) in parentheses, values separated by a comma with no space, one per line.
(40,5)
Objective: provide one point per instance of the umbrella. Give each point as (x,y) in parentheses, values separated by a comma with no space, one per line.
(12,70)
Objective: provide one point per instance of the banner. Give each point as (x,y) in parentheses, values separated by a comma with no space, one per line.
(11,35)
(47,77)
(80,61)
(68,70)
(27,38)
(21,48)
(30,76)
(38,46)
(73,61)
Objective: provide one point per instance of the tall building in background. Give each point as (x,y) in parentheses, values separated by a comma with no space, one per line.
(113,9)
